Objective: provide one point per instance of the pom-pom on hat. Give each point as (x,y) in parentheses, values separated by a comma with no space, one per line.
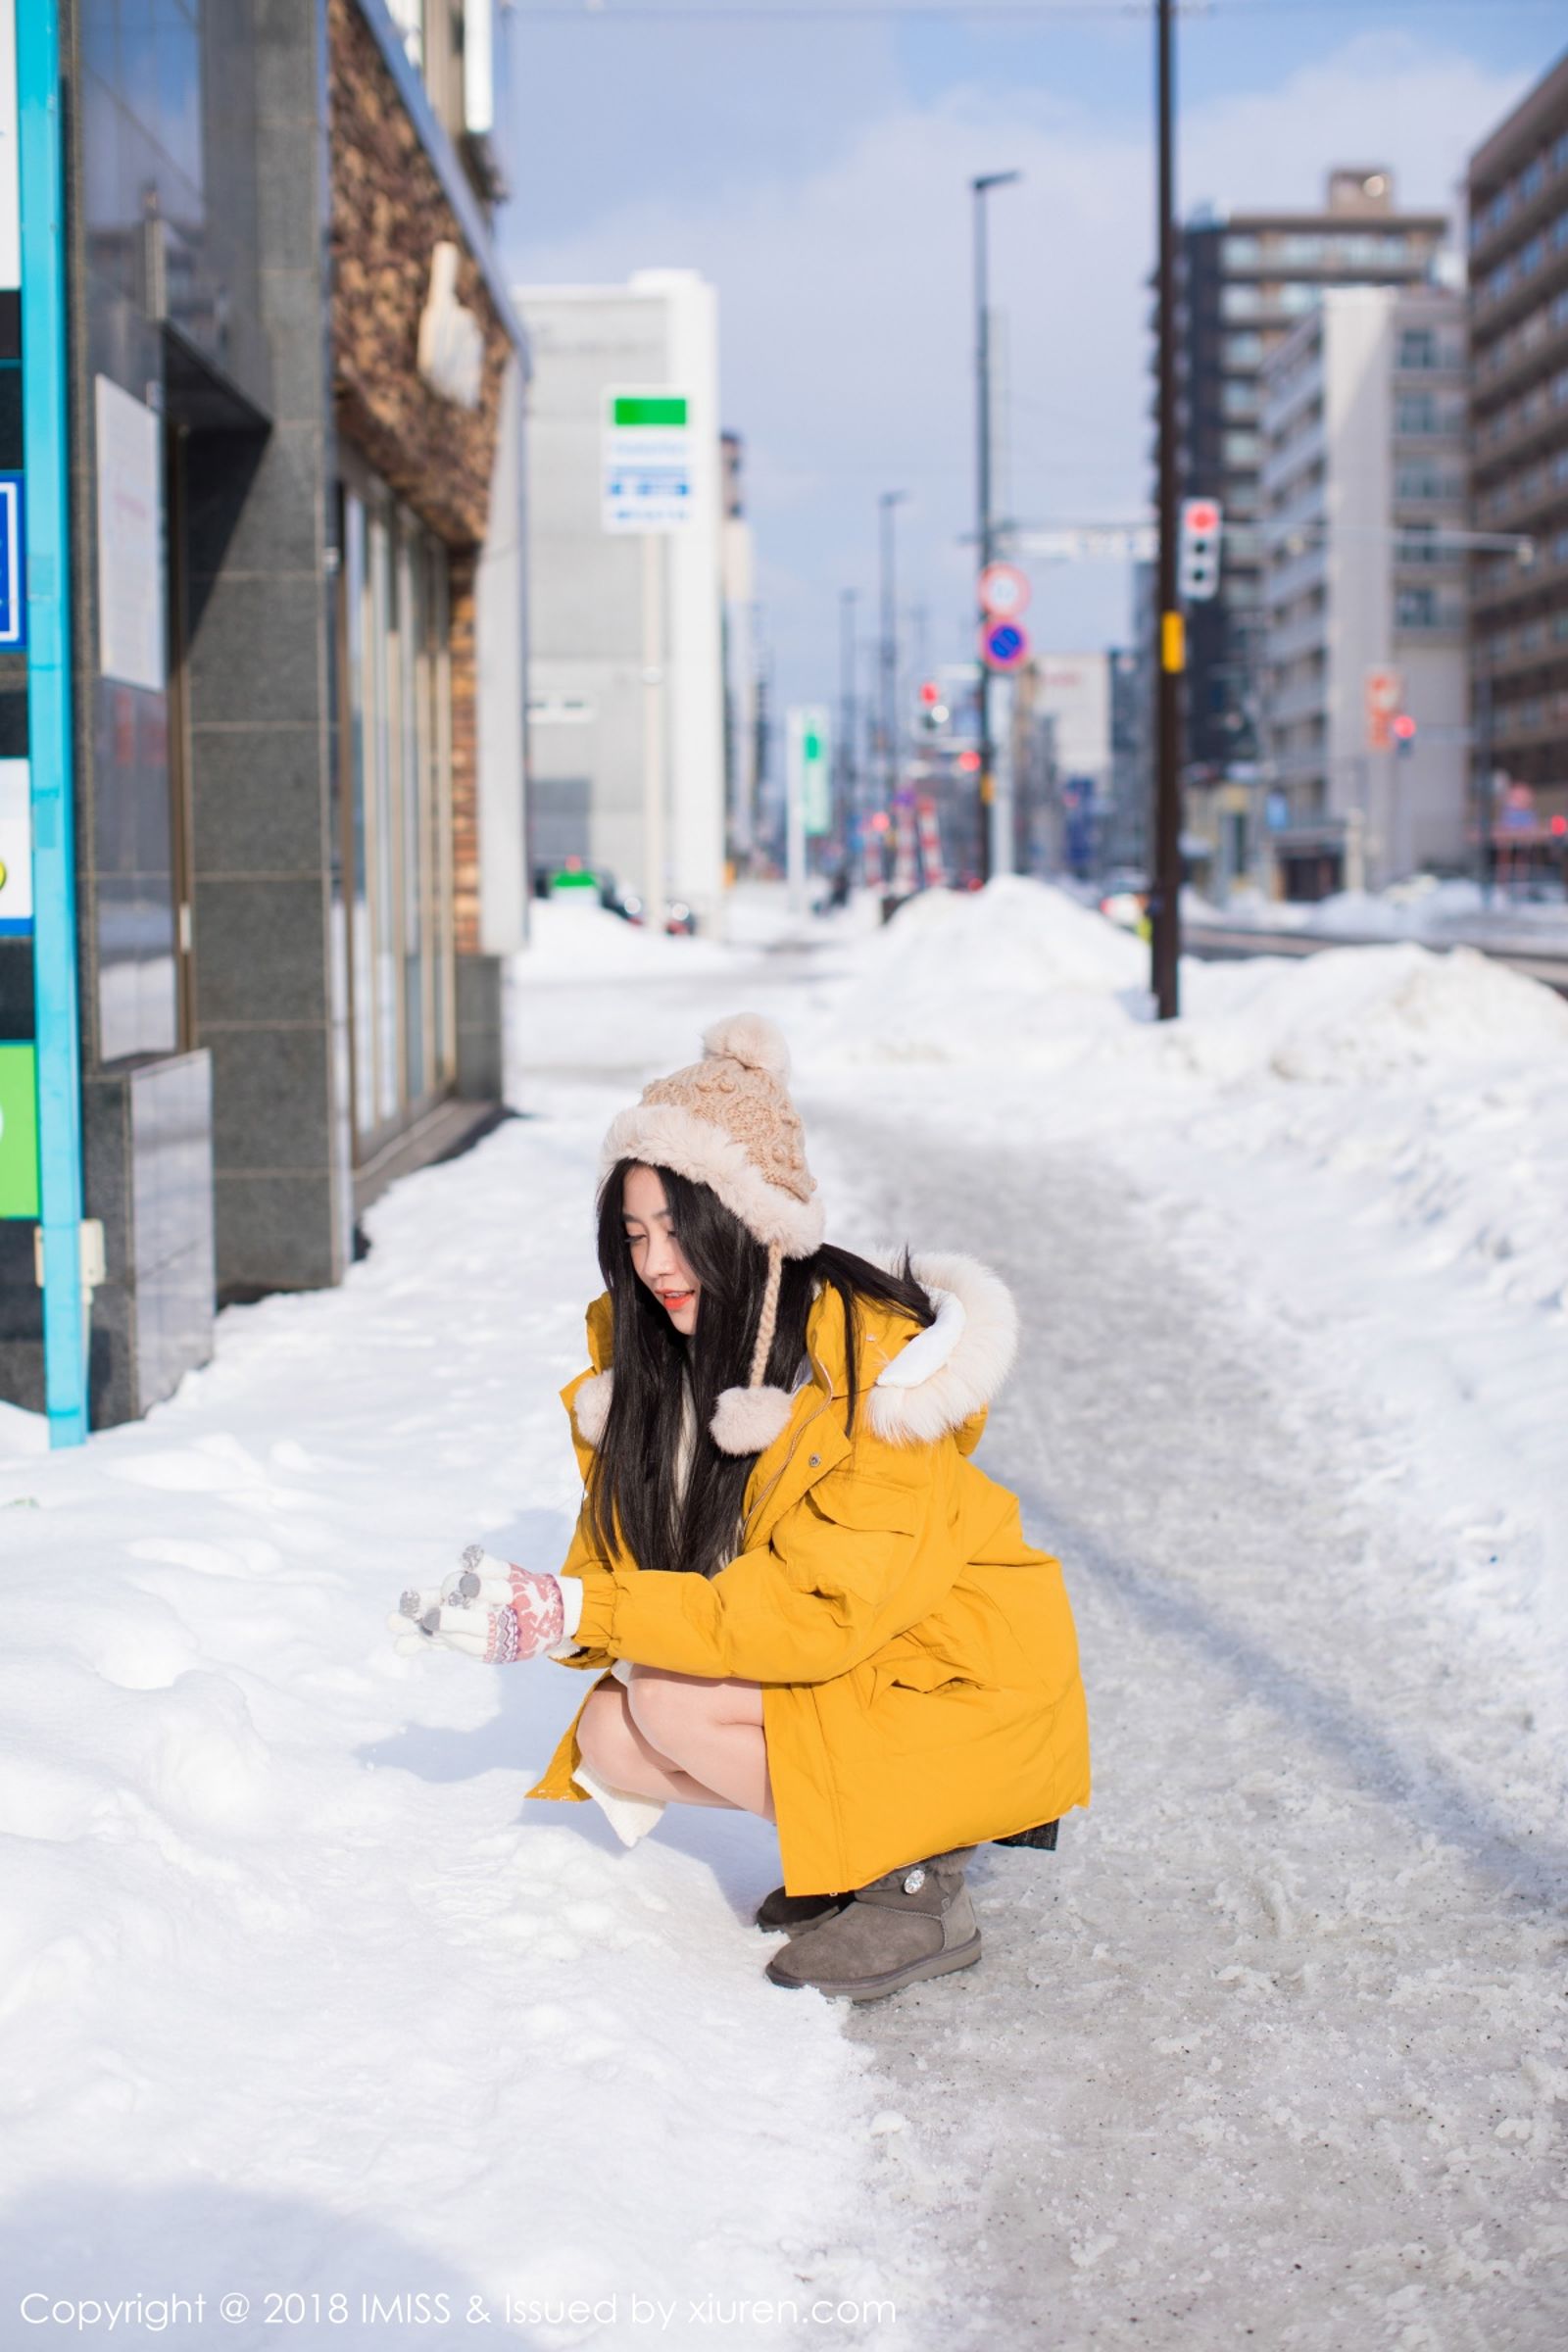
(727,1121)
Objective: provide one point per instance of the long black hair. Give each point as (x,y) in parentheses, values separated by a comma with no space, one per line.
(633,1486)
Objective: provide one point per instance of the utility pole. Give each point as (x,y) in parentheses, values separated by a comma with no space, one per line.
(848,766)
(980,189)
(889,500)
(1170,650)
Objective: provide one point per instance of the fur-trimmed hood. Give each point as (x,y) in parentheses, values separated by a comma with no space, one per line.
(915,1386)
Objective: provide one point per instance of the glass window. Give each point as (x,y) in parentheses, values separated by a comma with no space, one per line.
(1242,253)
(1418,347)
(1415,412)
(1415,609)
(1239,301)
(1298,296)
(397,811)
(1243,351)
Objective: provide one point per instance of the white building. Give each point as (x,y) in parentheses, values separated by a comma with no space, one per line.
(625,678)
(1363,601)
(1064,763)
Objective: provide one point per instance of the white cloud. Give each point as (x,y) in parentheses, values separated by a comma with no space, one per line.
(846,320)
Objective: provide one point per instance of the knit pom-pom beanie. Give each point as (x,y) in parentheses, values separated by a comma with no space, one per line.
(729,1122)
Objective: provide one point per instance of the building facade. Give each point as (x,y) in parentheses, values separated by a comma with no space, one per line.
(1362,495)
(626,637)
(1064,763)
(1245,282)
(296,484)
(1518,202)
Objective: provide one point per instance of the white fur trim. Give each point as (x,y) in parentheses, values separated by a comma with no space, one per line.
(961,1359)
(630,1816)
(929,1349)
(746,1420)
(665,1135)
(750,1039)
(590,1407)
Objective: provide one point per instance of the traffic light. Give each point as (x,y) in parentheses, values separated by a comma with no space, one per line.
(1198,554)
(934,710)
(1404,730)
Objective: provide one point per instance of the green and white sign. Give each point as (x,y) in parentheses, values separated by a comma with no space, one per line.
(19,1131)
(808,748)
(646,460)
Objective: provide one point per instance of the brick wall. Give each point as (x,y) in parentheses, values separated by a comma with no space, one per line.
(388,214)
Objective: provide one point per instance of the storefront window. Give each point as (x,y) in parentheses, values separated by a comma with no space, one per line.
(397,811)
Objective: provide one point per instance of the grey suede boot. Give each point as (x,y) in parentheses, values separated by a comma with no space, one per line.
(795,1911)
(910,1923)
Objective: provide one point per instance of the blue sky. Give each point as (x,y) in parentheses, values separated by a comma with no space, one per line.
(817,172)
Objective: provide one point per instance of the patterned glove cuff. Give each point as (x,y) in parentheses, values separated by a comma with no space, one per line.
(504,1637)
(535,1619)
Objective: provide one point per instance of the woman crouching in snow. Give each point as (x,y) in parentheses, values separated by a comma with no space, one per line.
(802,1599)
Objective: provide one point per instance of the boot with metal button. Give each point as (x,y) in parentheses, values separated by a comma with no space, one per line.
(914,1921)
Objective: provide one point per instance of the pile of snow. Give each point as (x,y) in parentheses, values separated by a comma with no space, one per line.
(1016,970)
(575,938)
(1356,1013)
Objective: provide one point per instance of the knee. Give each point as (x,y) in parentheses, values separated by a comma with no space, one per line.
(668,1709)
(605,1737)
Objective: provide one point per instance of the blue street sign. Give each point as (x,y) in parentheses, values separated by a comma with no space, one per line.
(1003,644)
(13,567)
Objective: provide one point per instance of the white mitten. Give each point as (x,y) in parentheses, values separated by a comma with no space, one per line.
(487,1609)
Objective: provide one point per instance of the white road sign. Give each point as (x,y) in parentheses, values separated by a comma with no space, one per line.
(648,460)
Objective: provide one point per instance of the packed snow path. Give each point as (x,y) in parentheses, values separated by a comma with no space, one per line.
(1270,2048)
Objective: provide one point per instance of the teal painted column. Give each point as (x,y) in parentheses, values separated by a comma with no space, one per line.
(46,461)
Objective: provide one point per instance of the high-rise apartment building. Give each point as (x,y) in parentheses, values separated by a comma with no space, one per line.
(1246,281)
(1518,190)
(1362,507)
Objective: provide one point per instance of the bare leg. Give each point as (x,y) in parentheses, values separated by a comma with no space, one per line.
(611,1741)
(710,1730)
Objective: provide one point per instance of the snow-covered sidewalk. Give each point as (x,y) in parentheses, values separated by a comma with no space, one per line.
(298,1997)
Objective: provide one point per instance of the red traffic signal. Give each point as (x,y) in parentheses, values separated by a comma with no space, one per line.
(1404,726)
(1197,551)
(930,693)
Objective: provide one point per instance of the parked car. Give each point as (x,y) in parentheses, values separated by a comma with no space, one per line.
(1124,900)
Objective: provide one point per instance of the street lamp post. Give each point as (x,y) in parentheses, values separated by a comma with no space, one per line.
(848,777)
(981,188)
(889,500)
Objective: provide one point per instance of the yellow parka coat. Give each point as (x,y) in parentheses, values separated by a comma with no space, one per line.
(918,1664)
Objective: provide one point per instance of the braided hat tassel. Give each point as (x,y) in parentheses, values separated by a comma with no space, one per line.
(746,1420)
